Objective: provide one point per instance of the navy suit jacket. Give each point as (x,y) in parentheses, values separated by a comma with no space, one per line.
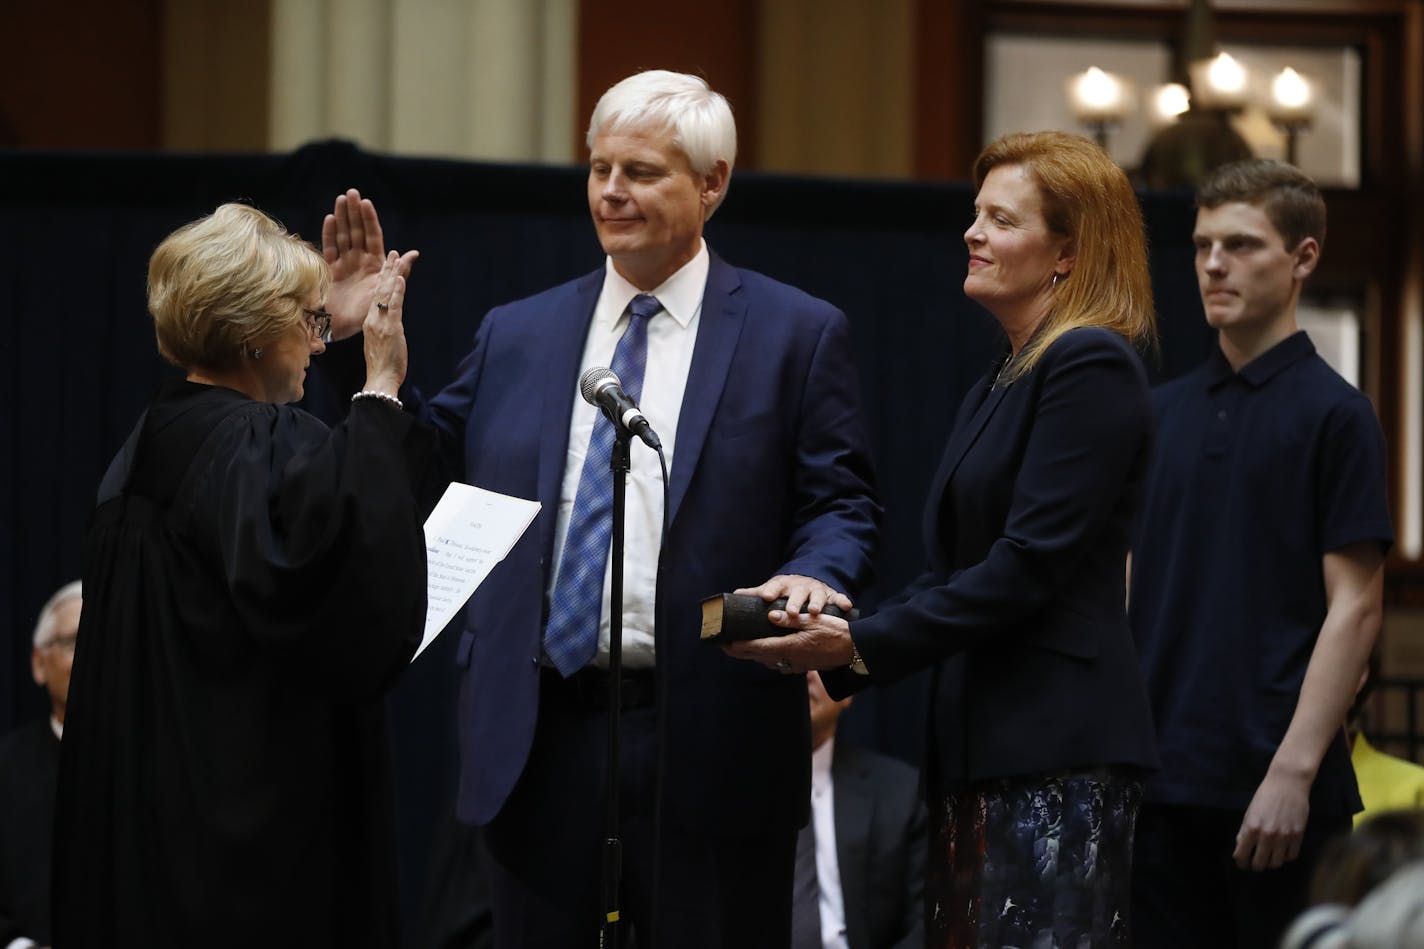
(882,839)
(771,475)
(29,773)
(1022,611)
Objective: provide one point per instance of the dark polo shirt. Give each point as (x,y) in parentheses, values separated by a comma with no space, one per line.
(1255,476)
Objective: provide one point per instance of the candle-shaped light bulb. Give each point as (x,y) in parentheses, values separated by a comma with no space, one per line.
(1097,96)
(1226,76)
(1170,101)
(1290,90)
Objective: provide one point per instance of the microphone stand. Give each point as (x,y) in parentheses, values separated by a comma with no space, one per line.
(619,462)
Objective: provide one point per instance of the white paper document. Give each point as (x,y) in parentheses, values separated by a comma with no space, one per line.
(469,531)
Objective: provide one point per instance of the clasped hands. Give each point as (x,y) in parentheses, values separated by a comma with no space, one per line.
(820,641)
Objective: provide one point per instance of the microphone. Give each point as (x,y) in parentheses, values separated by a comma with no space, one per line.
(602,387)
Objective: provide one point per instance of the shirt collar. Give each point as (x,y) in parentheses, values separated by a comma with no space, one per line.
(1264,367)
(680,294)
(821,765)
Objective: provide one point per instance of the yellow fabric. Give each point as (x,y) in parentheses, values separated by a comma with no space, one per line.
(1386,783)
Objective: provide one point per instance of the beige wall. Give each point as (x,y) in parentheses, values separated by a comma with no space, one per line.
(491,79)
(483,79)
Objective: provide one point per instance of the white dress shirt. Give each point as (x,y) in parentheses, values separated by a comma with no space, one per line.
(672,334)
(828,865)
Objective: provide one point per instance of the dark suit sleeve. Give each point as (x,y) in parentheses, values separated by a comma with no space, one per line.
(844,681)
(1088,430)
(835,512)
(340,372)
(448,412)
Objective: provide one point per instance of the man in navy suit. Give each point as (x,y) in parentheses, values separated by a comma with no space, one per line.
(868,837)
(29,771)
(750,385)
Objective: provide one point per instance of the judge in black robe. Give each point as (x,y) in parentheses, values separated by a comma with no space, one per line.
(254,583)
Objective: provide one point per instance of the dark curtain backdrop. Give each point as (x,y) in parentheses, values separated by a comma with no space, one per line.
(80,362)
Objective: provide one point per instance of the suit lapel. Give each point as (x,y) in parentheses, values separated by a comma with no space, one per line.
(724,311)
(960,442)
(963,439)
(564,341)
(854,810)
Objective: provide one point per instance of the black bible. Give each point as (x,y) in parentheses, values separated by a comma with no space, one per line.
(729,617)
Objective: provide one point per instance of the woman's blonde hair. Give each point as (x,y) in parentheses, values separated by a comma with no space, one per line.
(1086,198)
(227,283)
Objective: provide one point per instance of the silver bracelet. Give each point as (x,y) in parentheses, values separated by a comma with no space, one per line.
(384,397)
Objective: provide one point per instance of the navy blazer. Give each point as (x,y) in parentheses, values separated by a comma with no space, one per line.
(1023,608)
(771,475)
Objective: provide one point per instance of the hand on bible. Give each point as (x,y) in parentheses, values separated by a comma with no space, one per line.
(820,642)
(355,250)
(821,639)
(802,593)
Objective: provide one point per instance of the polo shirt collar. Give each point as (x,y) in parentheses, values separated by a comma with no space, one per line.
(1264,367)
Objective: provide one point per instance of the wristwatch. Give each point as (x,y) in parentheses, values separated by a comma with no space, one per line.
(857,664)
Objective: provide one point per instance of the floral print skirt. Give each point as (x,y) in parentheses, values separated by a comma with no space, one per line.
(1033,862)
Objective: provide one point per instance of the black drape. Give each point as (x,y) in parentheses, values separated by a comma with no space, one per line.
(80,362)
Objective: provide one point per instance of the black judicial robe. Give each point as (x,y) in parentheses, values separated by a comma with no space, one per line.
(253,583)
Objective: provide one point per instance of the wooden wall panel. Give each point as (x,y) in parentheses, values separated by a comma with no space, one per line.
(718,43)
(948,102)
(81,74)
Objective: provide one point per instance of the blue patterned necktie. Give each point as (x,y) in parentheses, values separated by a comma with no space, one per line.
(571,637)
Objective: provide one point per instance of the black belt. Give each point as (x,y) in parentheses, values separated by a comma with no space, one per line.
(588,688)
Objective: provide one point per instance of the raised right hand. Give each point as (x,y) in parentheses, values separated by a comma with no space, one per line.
(383,330)
(355,250)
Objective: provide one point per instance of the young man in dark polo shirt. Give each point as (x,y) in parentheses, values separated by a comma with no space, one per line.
(1256,584)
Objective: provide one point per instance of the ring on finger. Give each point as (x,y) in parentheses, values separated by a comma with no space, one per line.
(783,665)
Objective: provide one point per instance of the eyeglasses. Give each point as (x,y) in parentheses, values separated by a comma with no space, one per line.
(318,322)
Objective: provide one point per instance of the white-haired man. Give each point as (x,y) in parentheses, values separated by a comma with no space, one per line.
(751,386)
(29,768)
